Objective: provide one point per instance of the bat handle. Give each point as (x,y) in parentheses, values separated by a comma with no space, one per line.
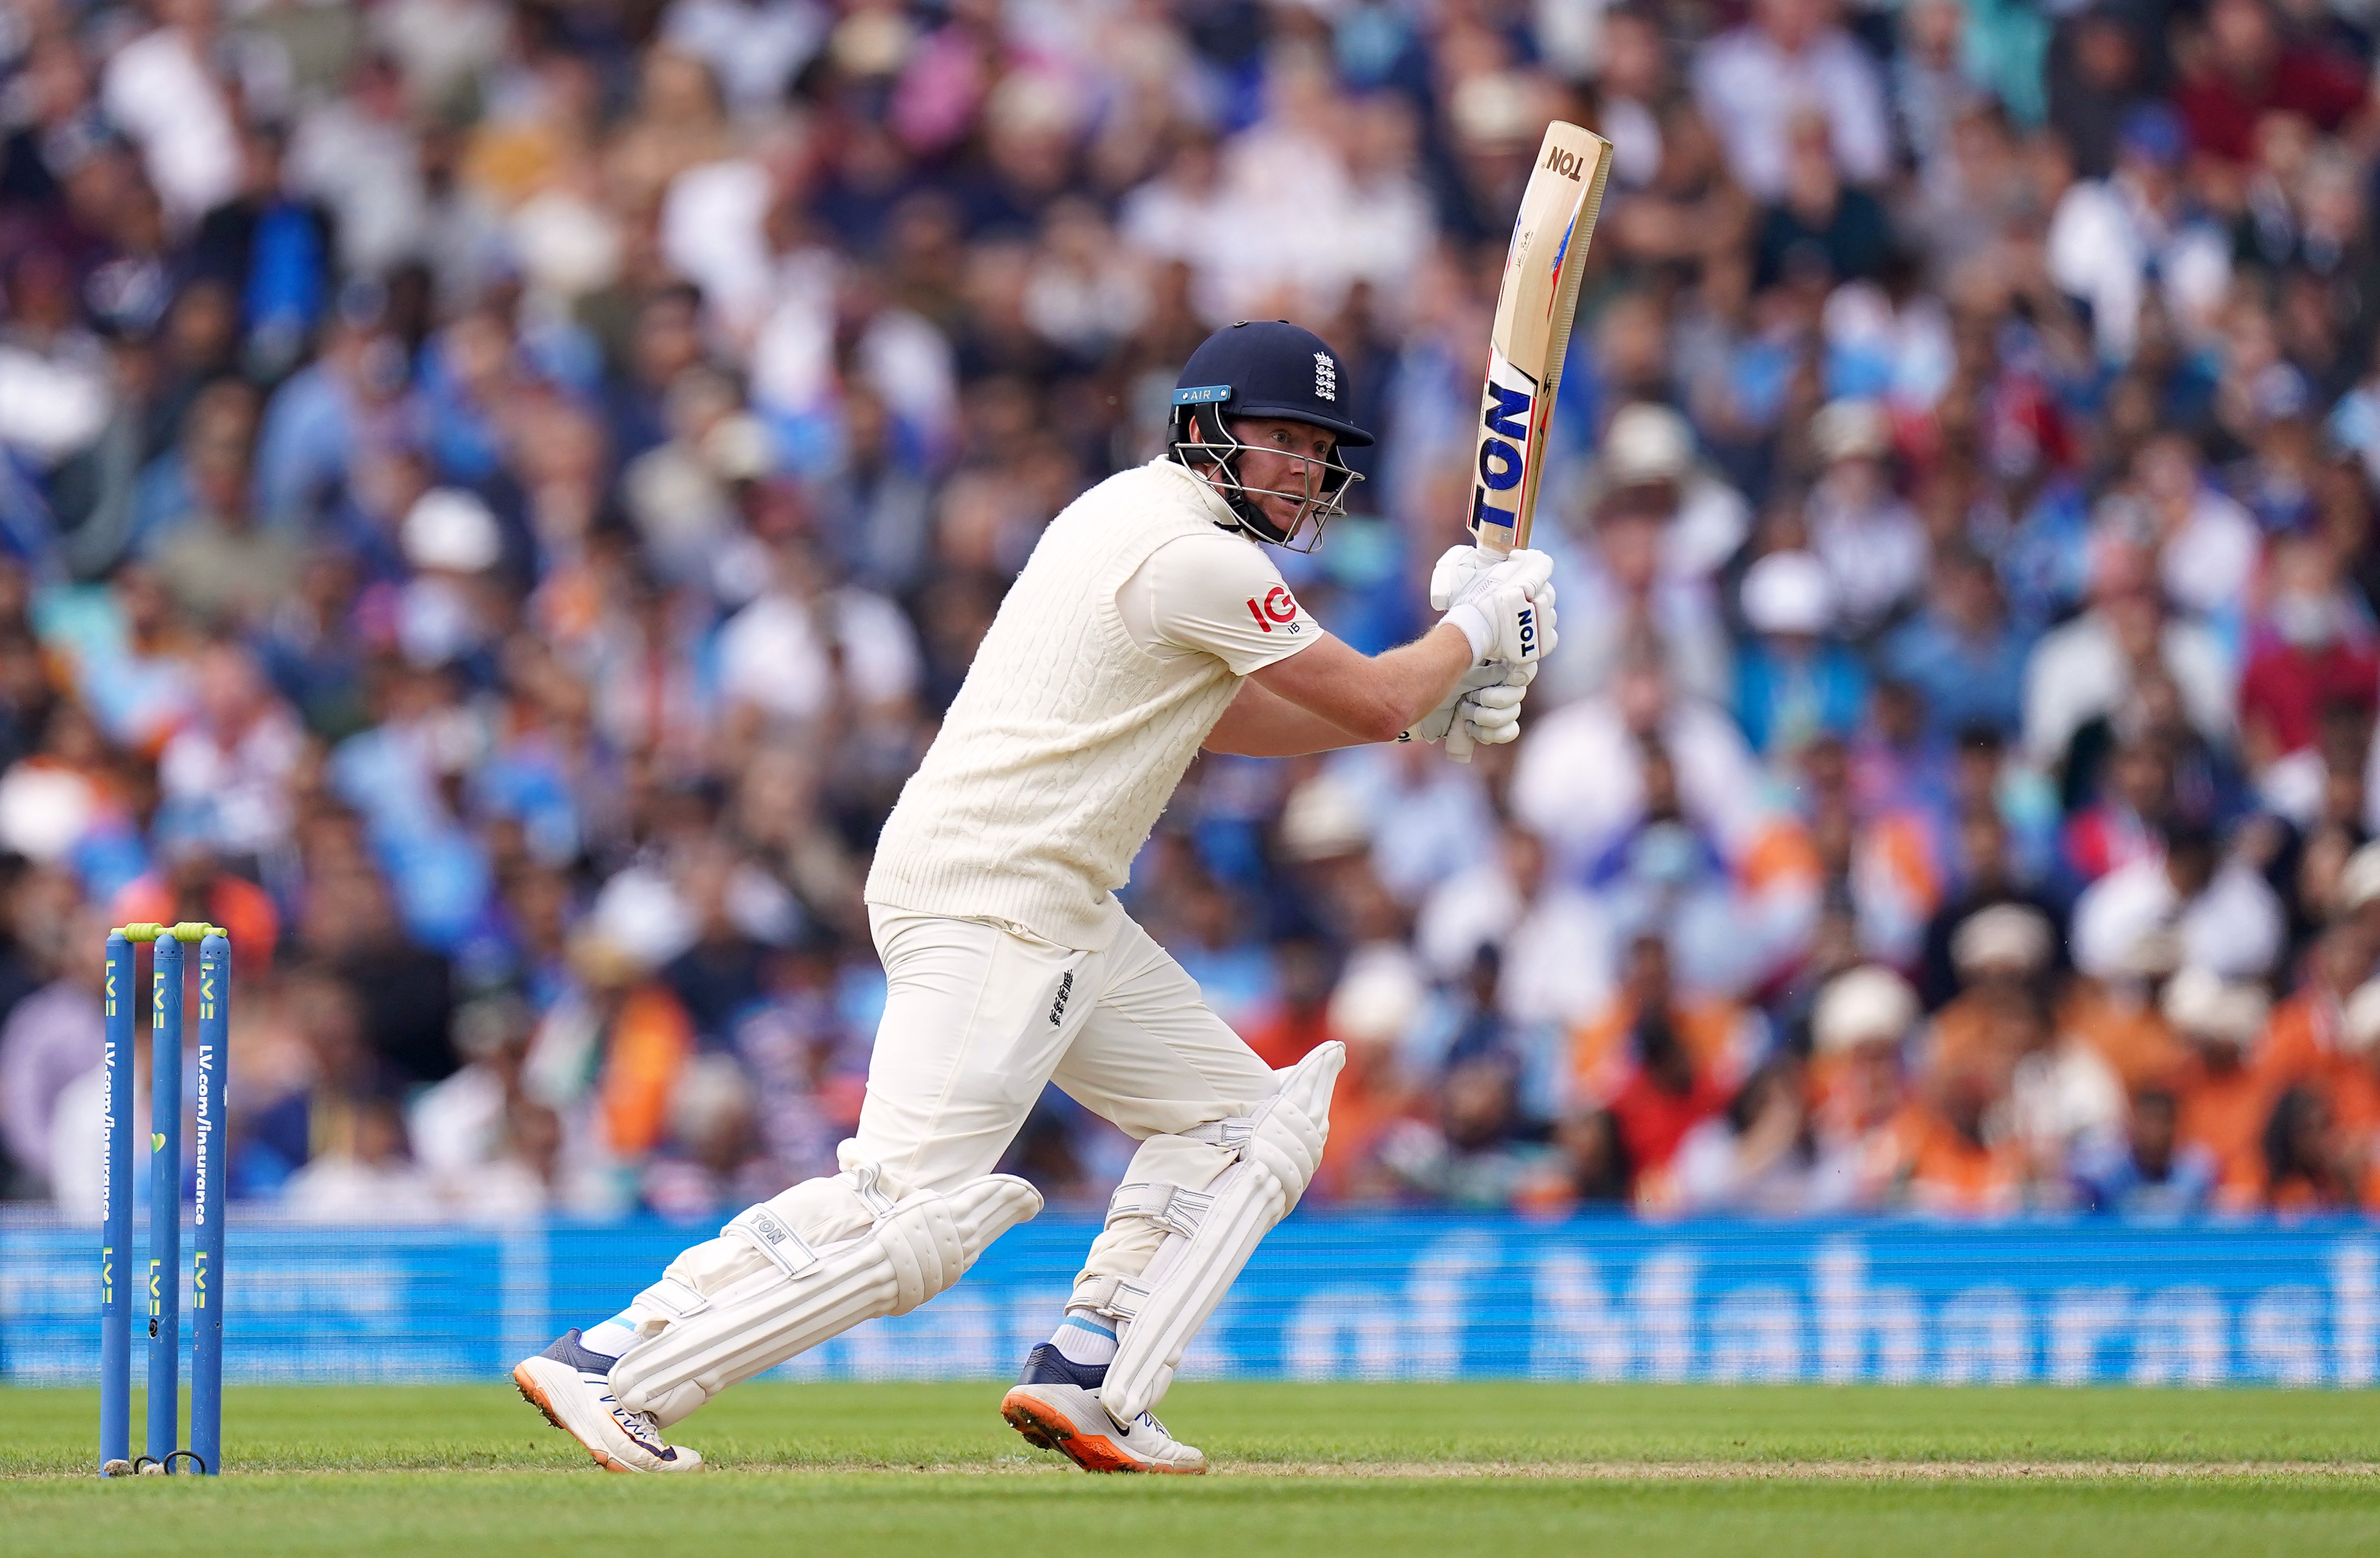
(1458,738)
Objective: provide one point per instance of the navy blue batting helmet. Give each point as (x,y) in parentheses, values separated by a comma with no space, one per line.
(1268,368)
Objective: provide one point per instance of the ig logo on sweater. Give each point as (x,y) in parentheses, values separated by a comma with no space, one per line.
(1280,607)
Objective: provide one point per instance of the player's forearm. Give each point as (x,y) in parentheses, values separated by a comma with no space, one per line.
(1369,698)
(1416,677)
(1260,724)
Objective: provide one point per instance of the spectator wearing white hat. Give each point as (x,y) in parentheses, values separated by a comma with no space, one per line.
(1985,879)
(1795,682)
(2000,952)
(1647,458)
(447,611)
(2225,1095)
(1871,542)
(1860,1032)
(1374,1009)
(1628,597)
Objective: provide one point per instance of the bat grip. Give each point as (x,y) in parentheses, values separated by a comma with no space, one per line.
(1458,738)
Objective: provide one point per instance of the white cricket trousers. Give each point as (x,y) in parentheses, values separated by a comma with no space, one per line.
(977,1018)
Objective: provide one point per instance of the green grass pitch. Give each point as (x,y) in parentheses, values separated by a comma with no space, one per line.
(878,1471)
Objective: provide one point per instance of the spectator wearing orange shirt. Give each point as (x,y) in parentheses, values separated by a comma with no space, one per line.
(1718,1039)
(2301,1043)
(1879,858)
(2002,950)
(608,1055)
(1371,1011)
(1951,1161)
(2225,1098)
(192,883)
(2355,1089)
(2122,1020)
(1288,1027)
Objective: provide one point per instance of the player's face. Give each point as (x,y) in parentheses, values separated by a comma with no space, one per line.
(1283,457)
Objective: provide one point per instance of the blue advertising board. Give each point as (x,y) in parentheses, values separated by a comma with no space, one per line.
(1349,1296)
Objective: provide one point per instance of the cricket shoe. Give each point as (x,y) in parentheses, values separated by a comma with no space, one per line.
(570,1384)
(1056,1405)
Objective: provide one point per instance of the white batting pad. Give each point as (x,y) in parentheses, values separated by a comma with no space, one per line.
(1213,1234)
(812,1264)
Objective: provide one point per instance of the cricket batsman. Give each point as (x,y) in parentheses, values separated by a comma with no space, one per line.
(1149,622)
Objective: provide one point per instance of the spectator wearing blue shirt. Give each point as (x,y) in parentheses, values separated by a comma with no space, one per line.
(1793,682)
(2147,1172)
(1961,652)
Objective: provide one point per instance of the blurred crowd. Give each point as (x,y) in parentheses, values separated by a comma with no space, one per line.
(495,496)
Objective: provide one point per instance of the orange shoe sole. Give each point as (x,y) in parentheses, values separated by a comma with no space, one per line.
(1093,1452)
(534,1393)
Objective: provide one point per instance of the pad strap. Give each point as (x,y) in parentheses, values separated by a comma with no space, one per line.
(1117,1298)
(1175,1206)
(863,1178)
(775,1237)
(1230,1134)
(673,1299)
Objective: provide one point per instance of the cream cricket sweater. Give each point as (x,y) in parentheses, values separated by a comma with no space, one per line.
(1067,737)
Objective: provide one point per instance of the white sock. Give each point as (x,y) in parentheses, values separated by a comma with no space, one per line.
(612,1337)
(1084,1338)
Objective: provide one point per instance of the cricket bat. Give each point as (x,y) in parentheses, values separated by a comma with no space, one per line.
(1533,309)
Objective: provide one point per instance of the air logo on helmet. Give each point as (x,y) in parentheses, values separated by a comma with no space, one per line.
(1326,378)
(1278,606)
